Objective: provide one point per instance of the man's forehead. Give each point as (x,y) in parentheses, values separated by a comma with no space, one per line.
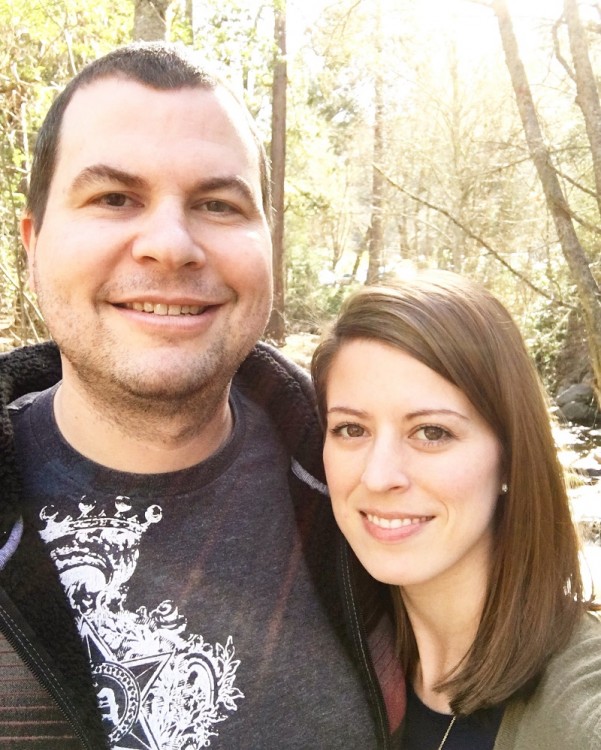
(112,88)
(118,106)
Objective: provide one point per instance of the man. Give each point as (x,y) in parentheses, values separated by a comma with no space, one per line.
(168,560)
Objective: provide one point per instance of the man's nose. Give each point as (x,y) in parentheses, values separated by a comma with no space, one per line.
(386,466)
(165,235)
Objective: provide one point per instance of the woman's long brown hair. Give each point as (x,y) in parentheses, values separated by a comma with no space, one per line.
(535,594)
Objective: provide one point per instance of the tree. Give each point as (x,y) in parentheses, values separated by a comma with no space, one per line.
(277,325)
(588,290)
(375,233)
(150,19)
(415,154)
(586,87)
(43,45)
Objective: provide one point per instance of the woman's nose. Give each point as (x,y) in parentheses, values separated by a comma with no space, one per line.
(385,467)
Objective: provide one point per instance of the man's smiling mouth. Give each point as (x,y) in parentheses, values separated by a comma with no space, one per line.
(161,308)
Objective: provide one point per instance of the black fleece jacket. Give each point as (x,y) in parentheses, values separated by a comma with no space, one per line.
(35,617)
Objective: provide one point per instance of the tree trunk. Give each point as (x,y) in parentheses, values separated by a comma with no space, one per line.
(375,245)
(150,20)
(578,263)
(191,18)
(276,328)
(355,271)
(586,87)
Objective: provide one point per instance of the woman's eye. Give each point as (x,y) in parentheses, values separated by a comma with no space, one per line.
(432,433)
(349,430)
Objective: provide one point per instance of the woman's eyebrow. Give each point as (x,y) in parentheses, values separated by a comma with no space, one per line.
(347,410)
(432,412)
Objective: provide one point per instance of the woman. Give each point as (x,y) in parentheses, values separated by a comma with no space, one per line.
(445,481)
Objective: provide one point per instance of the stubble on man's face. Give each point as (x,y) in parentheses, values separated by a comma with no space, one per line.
(187,230)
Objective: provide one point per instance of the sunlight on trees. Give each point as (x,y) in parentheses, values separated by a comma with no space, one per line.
(43,43)
(404,144)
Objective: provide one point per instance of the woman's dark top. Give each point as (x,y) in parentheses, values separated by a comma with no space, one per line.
(423,728)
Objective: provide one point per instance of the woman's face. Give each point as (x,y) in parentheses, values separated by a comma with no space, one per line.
(414,471)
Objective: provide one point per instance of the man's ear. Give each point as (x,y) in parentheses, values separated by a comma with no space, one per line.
(29,240)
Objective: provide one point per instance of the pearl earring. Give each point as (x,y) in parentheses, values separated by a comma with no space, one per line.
(504,488)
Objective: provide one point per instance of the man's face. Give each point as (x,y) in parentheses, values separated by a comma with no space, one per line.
(153,262)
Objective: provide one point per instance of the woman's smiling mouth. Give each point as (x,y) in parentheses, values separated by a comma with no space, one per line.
(395,523)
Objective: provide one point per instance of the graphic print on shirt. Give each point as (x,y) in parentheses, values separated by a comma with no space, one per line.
(158,687)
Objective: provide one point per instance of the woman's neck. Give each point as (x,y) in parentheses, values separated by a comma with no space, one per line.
(444,614)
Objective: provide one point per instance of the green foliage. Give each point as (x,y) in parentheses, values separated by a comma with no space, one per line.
(236,38)
(310,301)
(453,143)
(43,43)
(545,329)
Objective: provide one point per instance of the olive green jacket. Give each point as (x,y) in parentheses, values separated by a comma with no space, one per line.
(564,712)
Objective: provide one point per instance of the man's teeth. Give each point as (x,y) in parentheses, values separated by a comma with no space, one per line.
(161,308)
(395,523)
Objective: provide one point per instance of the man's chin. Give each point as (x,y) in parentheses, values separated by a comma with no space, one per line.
(168,385)
(120,379)
(146,378)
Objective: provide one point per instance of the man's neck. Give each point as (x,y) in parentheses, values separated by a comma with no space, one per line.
(142,438)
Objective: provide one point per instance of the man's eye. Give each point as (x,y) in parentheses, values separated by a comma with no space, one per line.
(115,200)
(217,207)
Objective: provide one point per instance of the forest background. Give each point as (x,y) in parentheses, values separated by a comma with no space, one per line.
(457,134)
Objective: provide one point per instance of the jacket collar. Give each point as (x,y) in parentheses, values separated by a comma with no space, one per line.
(282,388)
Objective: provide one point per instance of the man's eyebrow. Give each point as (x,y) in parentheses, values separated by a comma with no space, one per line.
(226,182)
(98,173)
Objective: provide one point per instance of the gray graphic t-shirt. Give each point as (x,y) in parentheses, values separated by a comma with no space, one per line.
(191,594)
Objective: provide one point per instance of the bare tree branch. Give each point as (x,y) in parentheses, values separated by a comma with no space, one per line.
(556,48)
(576,184)
(584,223)
(468,232)
(29,303)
